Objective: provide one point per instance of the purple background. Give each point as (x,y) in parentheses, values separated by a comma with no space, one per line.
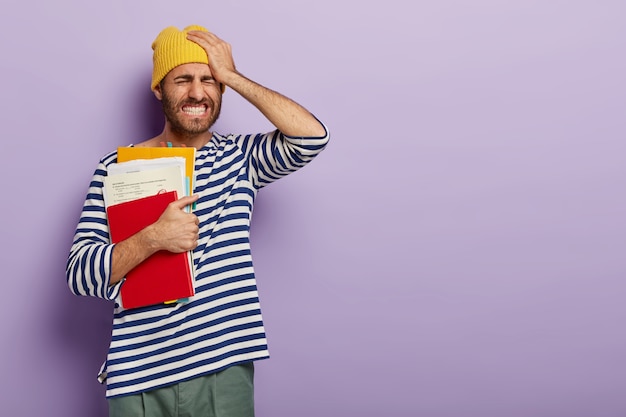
(457,250)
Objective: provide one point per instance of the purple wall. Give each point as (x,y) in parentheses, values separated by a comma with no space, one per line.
(458,249)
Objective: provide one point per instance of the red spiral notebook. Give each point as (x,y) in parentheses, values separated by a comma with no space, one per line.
(164,276)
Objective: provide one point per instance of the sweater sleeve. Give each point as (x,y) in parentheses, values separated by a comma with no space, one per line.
(89,262)
(274,155)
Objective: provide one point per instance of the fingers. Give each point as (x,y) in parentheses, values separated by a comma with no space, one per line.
(182,202)
(206,40)
(187,240)
(177,231)
(194,35)
(218,51)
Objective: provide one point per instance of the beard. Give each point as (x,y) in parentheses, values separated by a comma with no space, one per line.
(183,125)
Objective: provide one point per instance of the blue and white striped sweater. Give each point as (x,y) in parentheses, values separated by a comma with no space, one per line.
(221,325)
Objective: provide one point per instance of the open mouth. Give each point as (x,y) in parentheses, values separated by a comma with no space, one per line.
(195,110)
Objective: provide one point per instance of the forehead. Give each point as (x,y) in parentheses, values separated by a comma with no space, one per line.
(193,69)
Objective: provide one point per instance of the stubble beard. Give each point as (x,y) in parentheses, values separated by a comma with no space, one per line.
(186,127)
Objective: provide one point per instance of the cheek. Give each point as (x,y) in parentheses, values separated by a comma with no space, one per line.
(216,98)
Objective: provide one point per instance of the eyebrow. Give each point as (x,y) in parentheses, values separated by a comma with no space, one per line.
(186,77)
(189,77)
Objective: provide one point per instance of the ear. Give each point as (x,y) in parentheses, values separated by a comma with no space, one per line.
(157,92)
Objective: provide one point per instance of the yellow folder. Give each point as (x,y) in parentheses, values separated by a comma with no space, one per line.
(128,153)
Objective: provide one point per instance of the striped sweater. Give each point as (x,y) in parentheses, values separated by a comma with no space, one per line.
(221,325)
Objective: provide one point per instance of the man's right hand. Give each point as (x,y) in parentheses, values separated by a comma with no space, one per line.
(176,230)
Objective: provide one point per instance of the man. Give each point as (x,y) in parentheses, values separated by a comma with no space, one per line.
(194,358)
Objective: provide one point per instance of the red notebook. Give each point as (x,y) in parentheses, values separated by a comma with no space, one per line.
(164,276)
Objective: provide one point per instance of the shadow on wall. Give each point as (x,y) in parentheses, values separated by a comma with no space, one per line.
(151,121)
(141,115)
(80,327)
(79,333)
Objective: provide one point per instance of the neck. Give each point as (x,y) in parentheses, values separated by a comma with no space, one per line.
(197,140)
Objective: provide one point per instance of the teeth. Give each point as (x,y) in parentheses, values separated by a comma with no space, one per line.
(193,110)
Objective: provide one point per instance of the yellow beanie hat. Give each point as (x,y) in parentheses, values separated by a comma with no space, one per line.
(172,48)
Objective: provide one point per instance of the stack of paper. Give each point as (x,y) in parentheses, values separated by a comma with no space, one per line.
(130,153)
(136,192)
(139,178)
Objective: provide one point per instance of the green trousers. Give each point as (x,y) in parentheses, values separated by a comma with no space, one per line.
(228,393)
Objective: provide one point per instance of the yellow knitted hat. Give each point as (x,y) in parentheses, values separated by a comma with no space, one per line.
(172,48)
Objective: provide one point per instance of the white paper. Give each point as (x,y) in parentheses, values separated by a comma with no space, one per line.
(141,178)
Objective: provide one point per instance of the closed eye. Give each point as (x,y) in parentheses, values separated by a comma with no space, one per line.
(183,79)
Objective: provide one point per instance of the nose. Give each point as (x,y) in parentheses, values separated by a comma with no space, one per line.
(196,91)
